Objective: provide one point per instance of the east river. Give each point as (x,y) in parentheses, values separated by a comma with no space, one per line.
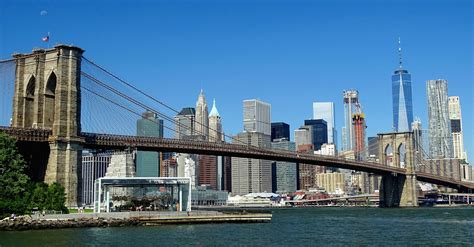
(289,227)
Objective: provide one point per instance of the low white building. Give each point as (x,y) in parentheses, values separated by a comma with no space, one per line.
(327,149)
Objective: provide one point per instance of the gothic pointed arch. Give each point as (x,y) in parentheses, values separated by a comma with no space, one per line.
(50,88)
(49,100)
(30,102)
(388,153)
(30,87)
(401,152)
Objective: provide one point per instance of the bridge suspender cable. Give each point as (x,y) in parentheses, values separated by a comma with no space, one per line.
(142,105)
(121,106)
(124,96)
(152,98)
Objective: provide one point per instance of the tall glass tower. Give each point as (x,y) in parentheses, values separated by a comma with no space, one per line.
(351,103)
(401,97)
(325,110)
(148,162)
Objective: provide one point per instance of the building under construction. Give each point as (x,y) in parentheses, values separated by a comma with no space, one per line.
(358,123)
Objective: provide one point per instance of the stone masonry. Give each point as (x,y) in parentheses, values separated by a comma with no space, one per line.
(47,96)
(398,191)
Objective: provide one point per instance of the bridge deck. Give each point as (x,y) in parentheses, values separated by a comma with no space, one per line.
(121,142)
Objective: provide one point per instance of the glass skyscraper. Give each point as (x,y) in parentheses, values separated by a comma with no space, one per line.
(285,172)
(148,162)
(320,132)
(401,98)
(280,130)
(325,111)
(257,116)
(351,104)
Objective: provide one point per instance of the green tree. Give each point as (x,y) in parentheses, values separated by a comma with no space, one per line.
(39,196)
(13,180)
(56,198)
(19,195)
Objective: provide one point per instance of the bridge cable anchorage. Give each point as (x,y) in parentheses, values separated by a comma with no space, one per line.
(151,97)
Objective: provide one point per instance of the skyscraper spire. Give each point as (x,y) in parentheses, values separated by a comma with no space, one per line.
(215,125)
(214,112)
(201,121)
(400,52)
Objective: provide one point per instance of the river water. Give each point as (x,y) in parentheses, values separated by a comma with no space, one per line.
(289,227)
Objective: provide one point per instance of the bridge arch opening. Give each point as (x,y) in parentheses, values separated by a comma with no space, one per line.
(49,100)
(29,102)
(388,153)
(401,155)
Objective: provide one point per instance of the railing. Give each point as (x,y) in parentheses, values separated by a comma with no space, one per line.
(236,150)
(30,134)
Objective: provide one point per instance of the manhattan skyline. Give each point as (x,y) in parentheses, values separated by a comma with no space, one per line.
(287,54)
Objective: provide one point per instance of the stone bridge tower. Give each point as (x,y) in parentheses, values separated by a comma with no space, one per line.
(47,96)
(397,149)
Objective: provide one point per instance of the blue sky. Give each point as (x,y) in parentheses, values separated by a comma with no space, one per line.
(287,53)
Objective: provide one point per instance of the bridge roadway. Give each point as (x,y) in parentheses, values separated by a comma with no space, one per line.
(121,142)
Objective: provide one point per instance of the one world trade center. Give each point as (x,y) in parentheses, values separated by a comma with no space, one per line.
(401,96)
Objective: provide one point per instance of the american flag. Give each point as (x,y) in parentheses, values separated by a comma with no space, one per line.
(46,38)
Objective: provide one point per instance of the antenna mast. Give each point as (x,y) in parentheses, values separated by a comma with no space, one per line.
(399,52)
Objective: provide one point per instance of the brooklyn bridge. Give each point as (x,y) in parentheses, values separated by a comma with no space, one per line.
(47,119)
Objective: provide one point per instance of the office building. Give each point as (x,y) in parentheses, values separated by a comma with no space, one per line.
(304,136)
(285,172)
(201,124)
(257,116)
(351,104)
(441,145)
(306,172)
(169,167)
(251,175)
(333,182)
(327,149)
(185,123)
(360,182)
(215,125)
(208,171)
(216,135)
(280,130)
(319,132)
(148,162)
(402,97)
(455,117)
(373,148)
(227,173)
(325,111)
(94,166)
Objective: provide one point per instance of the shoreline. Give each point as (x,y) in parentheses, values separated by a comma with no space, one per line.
(121,219)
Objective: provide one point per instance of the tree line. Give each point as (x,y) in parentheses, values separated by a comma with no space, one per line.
(18,194)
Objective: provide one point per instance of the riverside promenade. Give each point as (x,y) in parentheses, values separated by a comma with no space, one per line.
(115,219)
